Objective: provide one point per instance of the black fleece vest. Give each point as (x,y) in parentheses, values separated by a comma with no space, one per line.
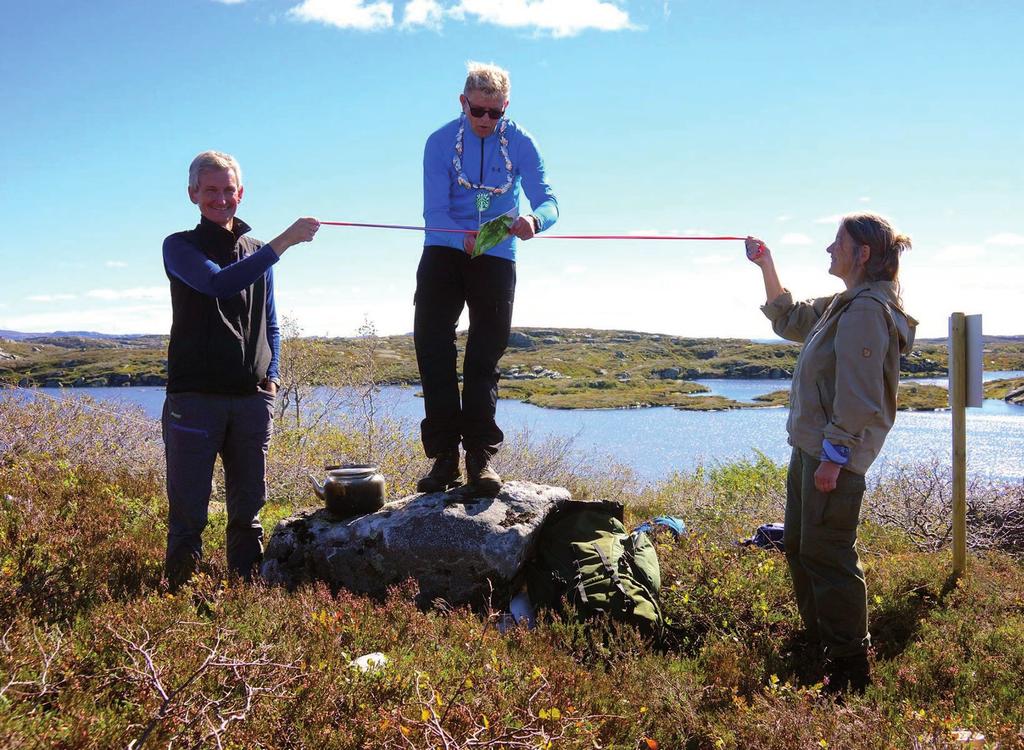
(218,345)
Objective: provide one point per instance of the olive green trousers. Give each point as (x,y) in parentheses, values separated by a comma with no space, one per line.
(820,540)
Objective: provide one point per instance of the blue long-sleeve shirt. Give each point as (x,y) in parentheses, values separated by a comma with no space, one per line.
(448,205)
(188,263)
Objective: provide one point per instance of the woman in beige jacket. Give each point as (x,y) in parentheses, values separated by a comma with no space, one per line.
(841,407)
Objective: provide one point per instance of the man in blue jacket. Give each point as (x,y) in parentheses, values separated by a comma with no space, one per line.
(473,170)
(222,368)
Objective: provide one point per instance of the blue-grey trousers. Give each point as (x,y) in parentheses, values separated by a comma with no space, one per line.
(196,428)
(820,540)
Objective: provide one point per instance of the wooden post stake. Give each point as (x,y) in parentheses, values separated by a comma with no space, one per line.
(958,406)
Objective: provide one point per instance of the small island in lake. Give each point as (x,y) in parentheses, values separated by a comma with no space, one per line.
(560,368)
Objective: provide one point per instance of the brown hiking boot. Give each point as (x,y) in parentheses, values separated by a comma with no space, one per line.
(480,475)
(443,475)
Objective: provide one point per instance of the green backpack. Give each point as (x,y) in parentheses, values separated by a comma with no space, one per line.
(586,558)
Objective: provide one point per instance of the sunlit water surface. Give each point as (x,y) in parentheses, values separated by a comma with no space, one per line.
(658,441)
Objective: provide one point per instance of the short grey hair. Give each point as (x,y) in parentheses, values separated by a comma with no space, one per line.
(211,160)
(487,78)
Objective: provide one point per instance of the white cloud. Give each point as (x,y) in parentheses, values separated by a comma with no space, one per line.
(1006,239)
(229,2)
(560,18)
(574,268)
(783,218)
(316,291)
(795,238)
(119,319)
(427,13)
(142,292)
(116,264)
(346,14)
(51,297)
(865,199)
(654,232)
(713,260)
(833,219)
(951,254)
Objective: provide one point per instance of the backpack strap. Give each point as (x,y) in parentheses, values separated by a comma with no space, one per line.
(614,575)
(580,589)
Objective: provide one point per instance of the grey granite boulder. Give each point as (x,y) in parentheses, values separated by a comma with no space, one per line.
(458,548)
(519,340)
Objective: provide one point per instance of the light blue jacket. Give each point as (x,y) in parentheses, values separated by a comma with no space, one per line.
(448,205)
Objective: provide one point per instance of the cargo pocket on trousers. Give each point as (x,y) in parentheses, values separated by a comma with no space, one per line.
(842,509)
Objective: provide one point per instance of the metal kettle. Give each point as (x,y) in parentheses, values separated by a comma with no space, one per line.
(350,489)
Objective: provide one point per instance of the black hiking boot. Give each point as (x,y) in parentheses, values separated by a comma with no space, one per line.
(480,475)
(847,674)
(443,475)
(803,645)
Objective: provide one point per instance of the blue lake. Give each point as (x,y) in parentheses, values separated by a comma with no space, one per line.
(658,441)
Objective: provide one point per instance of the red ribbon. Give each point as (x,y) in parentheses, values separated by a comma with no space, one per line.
(540,236)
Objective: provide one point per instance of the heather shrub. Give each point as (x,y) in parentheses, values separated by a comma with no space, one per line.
(81,513)
(94,654)
(917,499)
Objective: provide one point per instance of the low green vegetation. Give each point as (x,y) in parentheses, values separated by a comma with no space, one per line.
(601,393)
(912,397)
(95,654)
(1003,388)
(554,368)
(916,397)
(775,398)
(80,362)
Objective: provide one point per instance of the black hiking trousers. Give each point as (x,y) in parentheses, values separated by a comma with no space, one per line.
(447,281)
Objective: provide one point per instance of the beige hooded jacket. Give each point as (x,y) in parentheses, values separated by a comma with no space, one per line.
(847,375)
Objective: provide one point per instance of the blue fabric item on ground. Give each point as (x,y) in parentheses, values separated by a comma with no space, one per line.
(768,536)
(676,525)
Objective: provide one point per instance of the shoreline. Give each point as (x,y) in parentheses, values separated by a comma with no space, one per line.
(914,396)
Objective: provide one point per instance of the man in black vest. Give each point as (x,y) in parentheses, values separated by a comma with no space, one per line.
(222,368)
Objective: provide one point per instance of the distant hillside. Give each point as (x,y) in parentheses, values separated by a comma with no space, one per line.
(21,335)
(984,340)
(567,368)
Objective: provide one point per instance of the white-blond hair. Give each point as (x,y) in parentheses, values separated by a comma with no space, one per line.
(212,160)
(487,78)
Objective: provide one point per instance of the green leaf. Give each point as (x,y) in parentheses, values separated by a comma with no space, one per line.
(491,233)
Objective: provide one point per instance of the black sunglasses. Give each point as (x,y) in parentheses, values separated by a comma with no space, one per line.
(494,114)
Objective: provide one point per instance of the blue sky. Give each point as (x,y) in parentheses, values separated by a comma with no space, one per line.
(730,117)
